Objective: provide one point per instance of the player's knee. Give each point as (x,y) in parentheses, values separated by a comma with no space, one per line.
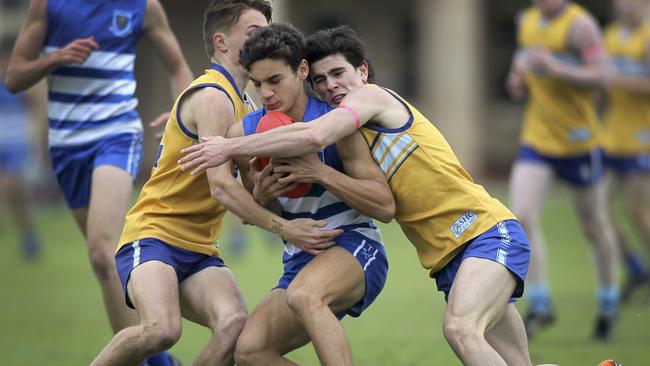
(231,326)
(460,331)
(302,299)
(162,335)
(249,351)
(102,261)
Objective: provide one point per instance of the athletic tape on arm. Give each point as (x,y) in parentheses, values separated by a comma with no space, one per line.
(357,120)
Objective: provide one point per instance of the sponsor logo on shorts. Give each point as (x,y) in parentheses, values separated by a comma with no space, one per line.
(463,222)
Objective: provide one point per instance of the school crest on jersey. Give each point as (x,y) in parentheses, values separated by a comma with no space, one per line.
(122,24)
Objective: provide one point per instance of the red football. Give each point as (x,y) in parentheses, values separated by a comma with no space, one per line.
(270,121)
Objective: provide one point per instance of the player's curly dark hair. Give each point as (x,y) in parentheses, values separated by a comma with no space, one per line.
(222,14)
(340,40)
(279,41)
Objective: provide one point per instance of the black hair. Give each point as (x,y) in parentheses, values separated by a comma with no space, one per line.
(279,41)
(340,40)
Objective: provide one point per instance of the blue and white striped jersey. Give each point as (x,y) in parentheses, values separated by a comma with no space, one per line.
(318,203)
(96,99)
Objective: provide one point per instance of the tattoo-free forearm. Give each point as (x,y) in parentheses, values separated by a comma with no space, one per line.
(367,196)
(23,74)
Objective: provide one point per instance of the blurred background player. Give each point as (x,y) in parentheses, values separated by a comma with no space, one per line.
(86,49)
(22,122)
(627,129)
(315,291)
(561,60)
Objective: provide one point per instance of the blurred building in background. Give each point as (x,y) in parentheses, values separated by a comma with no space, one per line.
(450,57)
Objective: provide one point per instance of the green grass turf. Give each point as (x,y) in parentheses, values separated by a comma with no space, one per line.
(52,312)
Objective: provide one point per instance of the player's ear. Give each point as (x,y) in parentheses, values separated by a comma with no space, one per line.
(219,42)
(303,69)
(363,70)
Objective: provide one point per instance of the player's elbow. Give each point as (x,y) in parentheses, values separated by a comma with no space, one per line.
(386,212)
(219,191)
(11,83)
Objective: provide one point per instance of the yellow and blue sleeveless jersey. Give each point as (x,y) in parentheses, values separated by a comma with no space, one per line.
(439,207)
(175,206)
(96,99)
(318,203)
(560,118)
(627,119)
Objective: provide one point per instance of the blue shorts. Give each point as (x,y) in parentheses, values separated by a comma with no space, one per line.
(14,159)
(184,262)
(371,257)
(505,243)
(581,171)
(74,166)
(625,165)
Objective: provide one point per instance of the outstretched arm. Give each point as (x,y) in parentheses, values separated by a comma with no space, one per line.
(296,139)
(213,112)
(26,66)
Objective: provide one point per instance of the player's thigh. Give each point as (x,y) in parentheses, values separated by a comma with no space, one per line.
(529,184)
(110,198)
(637,190)
(480,292)
(272,326)
(211,295)
(591,202)
(335,276)
(153,290)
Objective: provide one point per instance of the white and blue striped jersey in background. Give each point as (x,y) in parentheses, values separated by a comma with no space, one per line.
(318,203)
(14,120)
(96,99)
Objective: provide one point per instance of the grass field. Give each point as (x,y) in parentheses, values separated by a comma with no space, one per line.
(52,312)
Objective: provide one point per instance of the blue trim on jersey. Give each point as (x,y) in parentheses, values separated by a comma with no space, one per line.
(225,73)
(80,125)
(85,72)
(406,126)
(375,140)
(90,99)
(323,212)
(185,130)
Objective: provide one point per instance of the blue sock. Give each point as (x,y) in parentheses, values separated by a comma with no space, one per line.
(635,265)
(608,299)
(539,299)
(161,359)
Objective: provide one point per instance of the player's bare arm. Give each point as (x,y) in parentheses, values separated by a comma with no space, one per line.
(258,182)
(298,139)
(586,41)
(209,112)
(363,186)
(26,65)
(164,42)
(515,81)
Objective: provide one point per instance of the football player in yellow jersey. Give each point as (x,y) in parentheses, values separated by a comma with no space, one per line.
(166,259)
(470,243)
(627,127)
(560,62)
